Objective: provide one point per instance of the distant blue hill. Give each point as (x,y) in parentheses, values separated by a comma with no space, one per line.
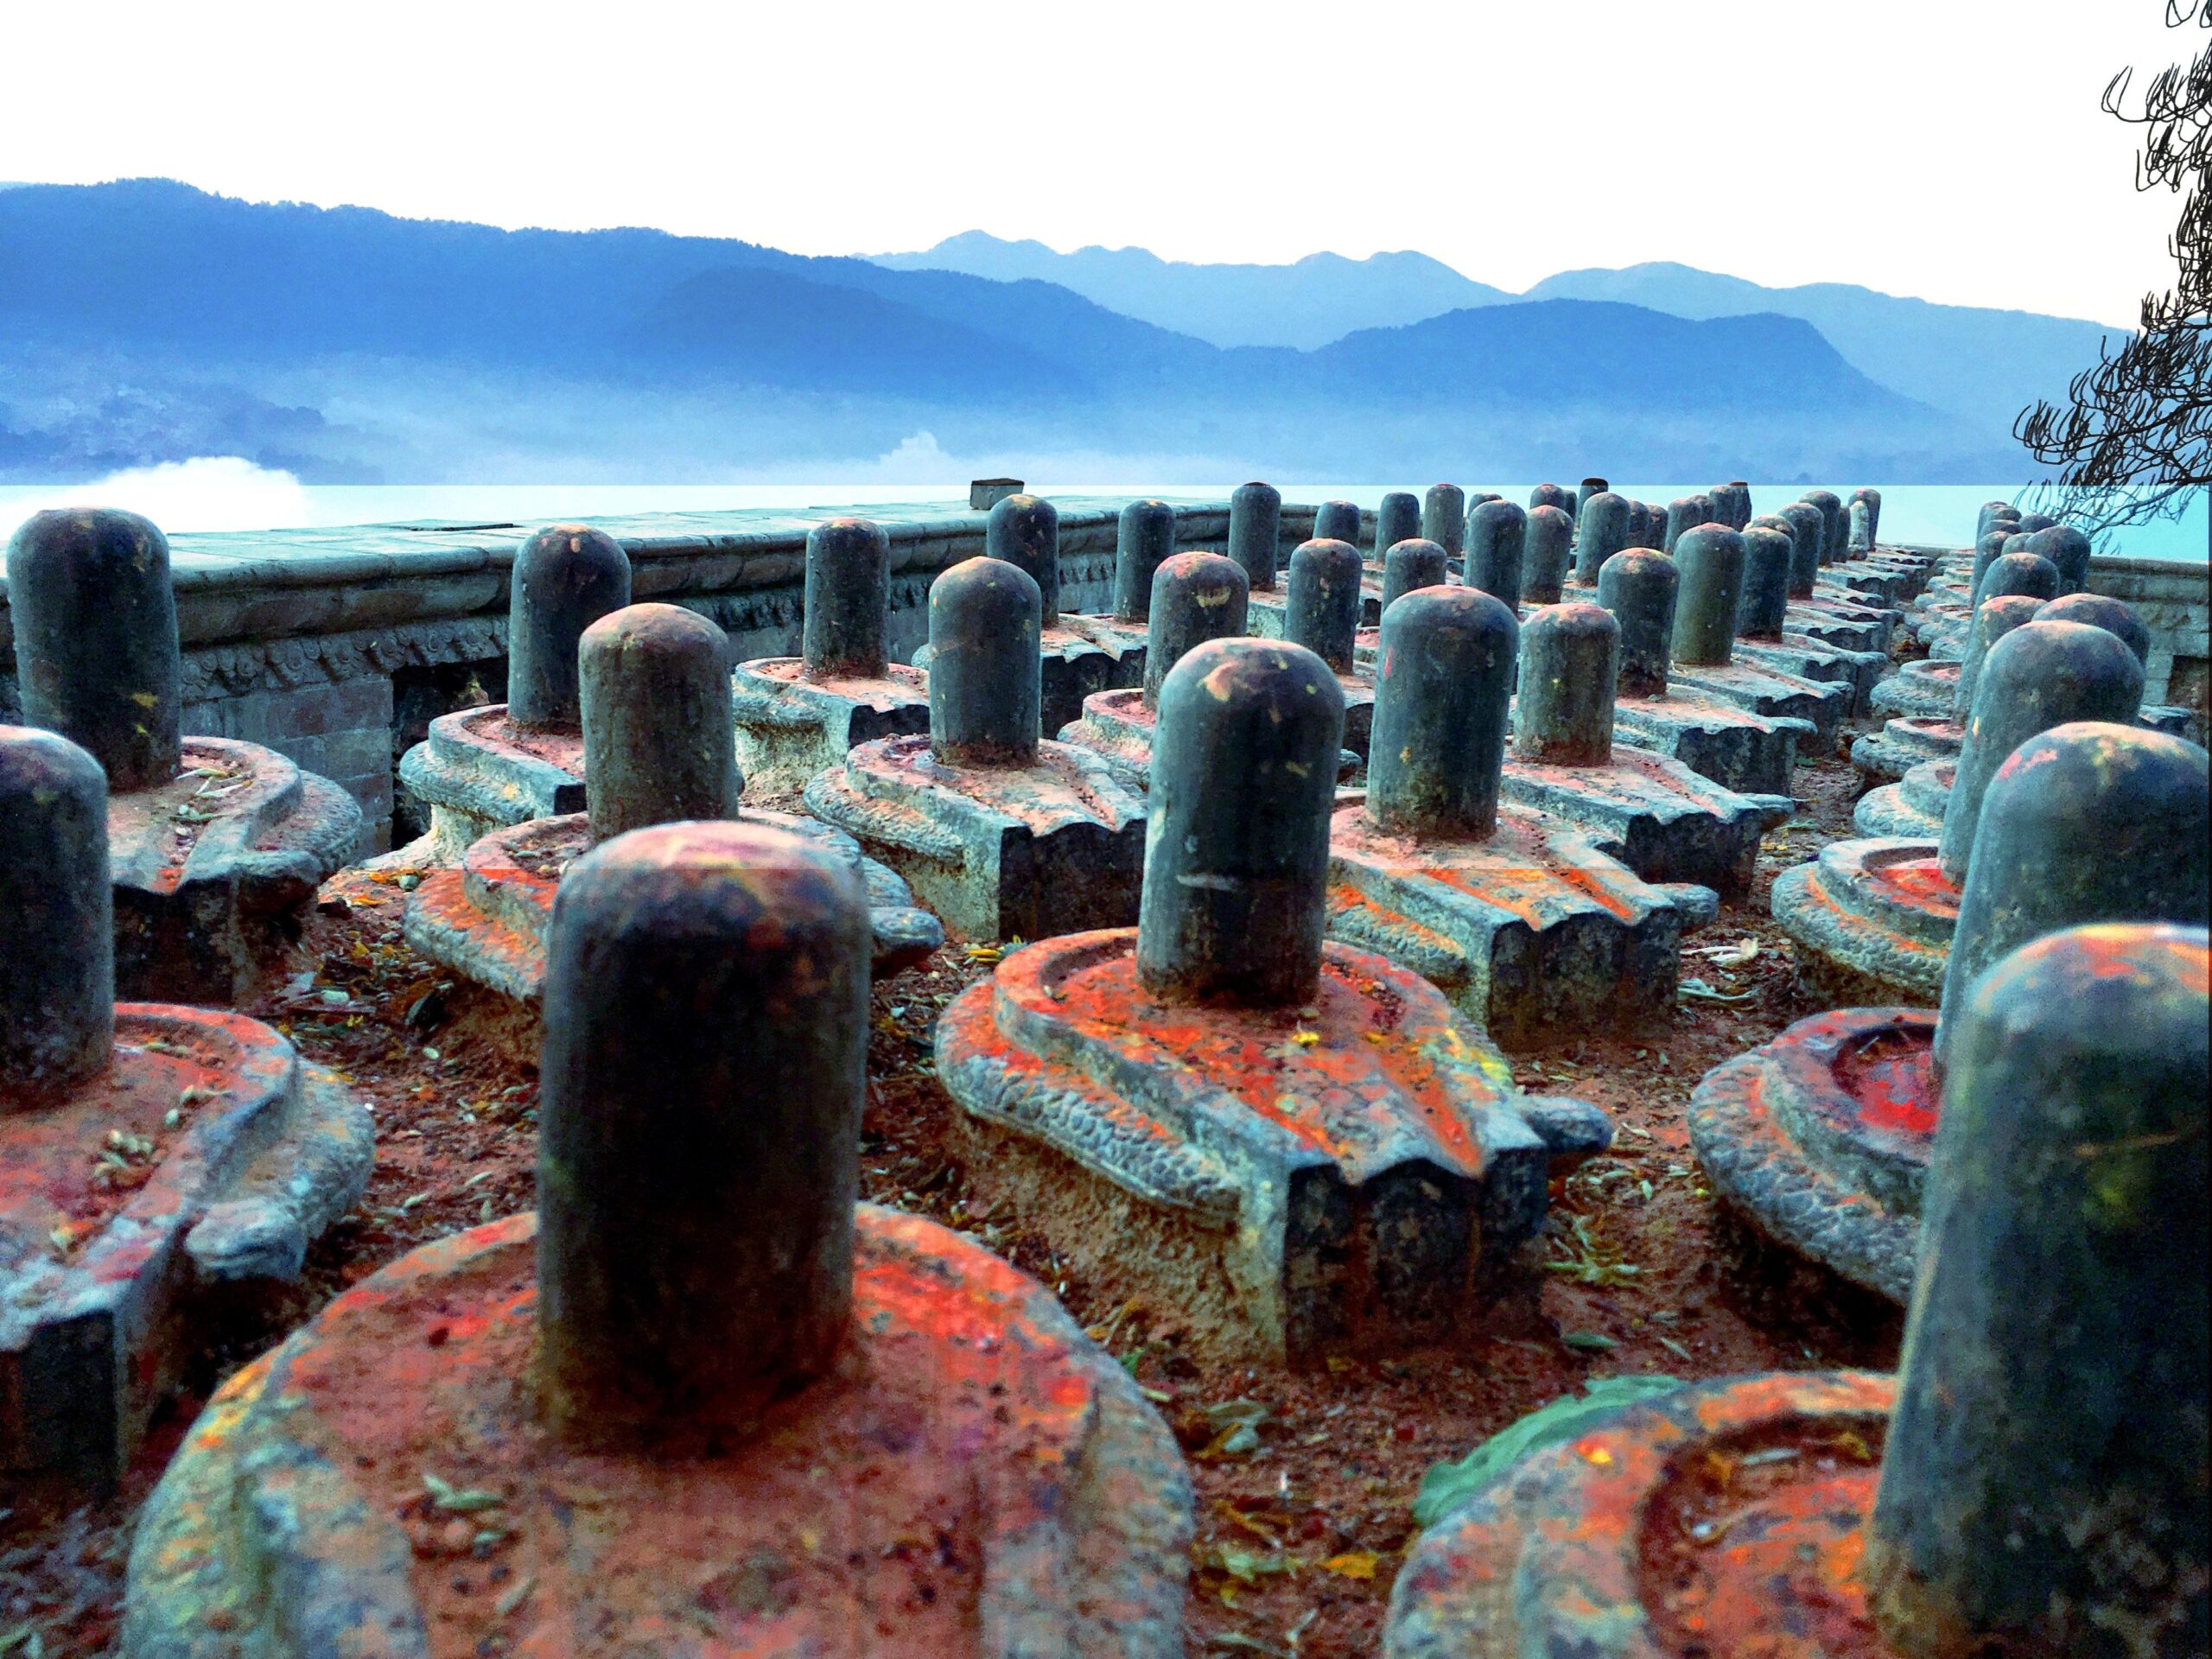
(146,320)
(1323,298)
(1982,365)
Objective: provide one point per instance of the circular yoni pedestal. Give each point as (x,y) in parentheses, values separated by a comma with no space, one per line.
(1724,1519)
(1872,920)
(970,1477)
(1822,1138)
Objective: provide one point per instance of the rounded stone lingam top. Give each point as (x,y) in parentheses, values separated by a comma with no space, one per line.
(796,715)
(1256,532)
(699,1390)
(218,846)
(565,578)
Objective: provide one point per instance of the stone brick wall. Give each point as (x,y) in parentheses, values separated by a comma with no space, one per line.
(2171,597)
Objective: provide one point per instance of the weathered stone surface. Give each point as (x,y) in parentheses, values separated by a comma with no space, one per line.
(1822,1137)
(1547,556)
(1551,1558)
(1006,837)
(1737,749)
(1604,527)
(1514,914)
(656,700)
(1913,808)
(1444,519)
(1872,921)
(146,1151)
(1654,814)
(1255,533)
(797,715)
(1397,519)
(1336,521)
(217,847)
(486,918)
(1411,564)
(95,639)
(1300,1145)
(1321,612)
(1497,537)
(478,771)
(698,1282)
(1710,560)
(2042,1492)
(1147,541)
(566,577)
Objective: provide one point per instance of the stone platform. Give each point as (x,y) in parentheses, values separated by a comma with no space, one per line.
(997,852)
(214,871)
(206,1153)
(789,727)
(478,771)
(1358,1174)
(1706,1521)
(1532,929)
(1822,1138)
(1876,919)
(973,1477)
(487,919)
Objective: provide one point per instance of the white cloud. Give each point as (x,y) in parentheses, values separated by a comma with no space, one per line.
(205,493)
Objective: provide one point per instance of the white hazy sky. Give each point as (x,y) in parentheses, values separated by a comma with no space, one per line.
(1948,149)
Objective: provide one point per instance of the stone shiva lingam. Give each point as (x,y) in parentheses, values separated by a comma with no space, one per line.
(654,693)
(148,1152)
(1654,814)
(1195,597)
(1144,539)
(1073,659)
(1605,526)
(483,769)
(797,714)
(1739,750)
(1927,708)
(2030,1482)
(1820,1138)
(699,1401)
(1872,920)
(217,847)
(1764,638)
(1514,914)
(1003,835)
(1710,561)
(1322,613)
(1913,807)
(1299,1147)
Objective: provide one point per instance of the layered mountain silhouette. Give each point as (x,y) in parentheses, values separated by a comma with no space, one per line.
(146,320)
(1981,364)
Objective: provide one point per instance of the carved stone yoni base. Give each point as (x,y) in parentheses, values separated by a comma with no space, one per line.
(790,728)
(1735,748)
(1872,921)
(1912,808)
(1821,1138)
(1704,1520)
(1839,626)
(478,771)
(1289,1184)
(1531,930)
(973,1477)
(214,871)
(997,852)
(204,1153)
(487,919)
(1118,728)
(1654,814)
(1809,659)
(1921,690)
(1772,693)
(1905,741)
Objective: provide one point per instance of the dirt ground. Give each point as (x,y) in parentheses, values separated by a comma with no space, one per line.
(1301,1526)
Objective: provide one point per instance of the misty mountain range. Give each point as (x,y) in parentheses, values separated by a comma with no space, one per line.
(146,320)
